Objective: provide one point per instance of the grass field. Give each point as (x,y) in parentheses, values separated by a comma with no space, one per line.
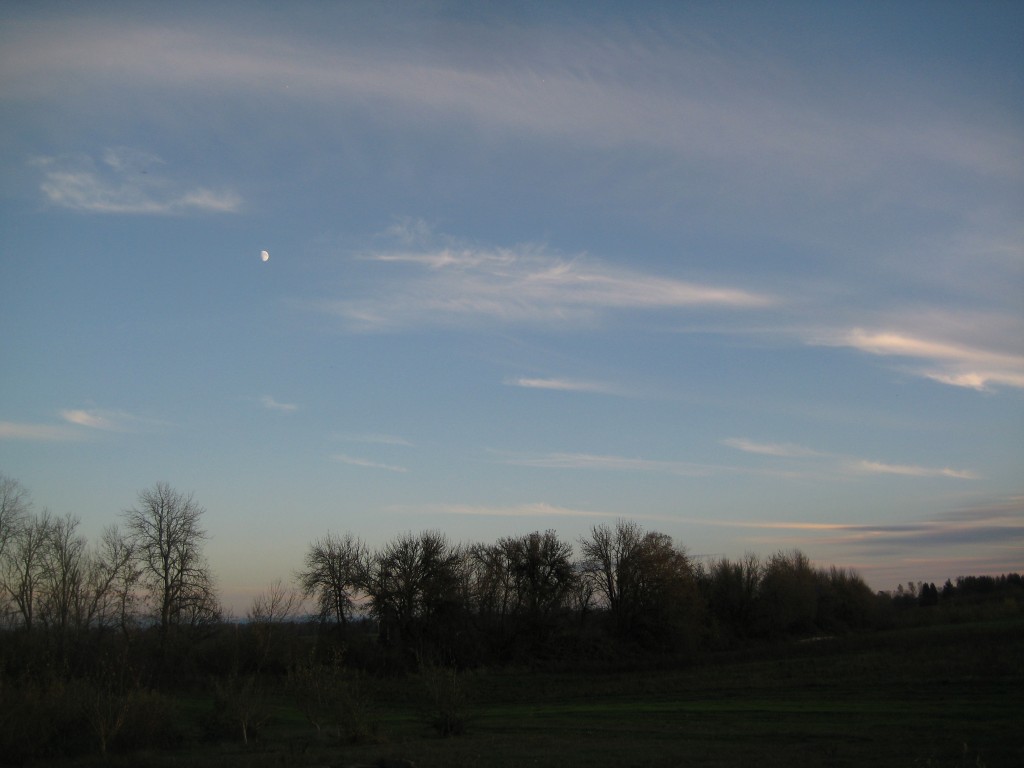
(935,696)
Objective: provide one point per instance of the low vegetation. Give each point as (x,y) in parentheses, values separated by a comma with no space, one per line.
(513,653)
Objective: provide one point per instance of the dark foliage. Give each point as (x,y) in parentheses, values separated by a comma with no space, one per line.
(92,652)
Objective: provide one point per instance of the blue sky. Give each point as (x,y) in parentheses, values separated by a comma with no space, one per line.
(752,277)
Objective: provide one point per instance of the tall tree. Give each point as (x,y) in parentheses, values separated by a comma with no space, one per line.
(14,510)
(113,577)
(334,567)
(648,583)
(416,590)
(520,584)
(788,600)
(65,569)
(167,539)
(24,566)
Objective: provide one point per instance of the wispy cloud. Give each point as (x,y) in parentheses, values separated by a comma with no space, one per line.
(10,430)
(527,284)
(947,362)
(845,464)
(356,461)
(909,539)
(612,463)
(880,468)
(271,404)
(535,509)
(123,184)
(109,420)
(784,450)
(562,385)
(79,423)
(597,87)
(994,523)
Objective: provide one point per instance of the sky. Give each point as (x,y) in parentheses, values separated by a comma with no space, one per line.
(748,275)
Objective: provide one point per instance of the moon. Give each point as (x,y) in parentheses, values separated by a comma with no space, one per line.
(264,256)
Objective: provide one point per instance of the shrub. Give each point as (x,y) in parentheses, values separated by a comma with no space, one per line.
(444,701)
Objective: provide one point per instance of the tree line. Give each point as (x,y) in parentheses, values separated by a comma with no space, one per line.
(95,636)
(618,590)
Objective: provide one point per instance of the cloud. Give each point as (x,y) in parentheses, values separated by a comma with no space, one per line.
(536,509)
(87,419)
(10,430)
(846,463)
(108,420)
(82,421)
(125,186)
(271,404)
(979,528)
(612,463)
(561,385)
(999,523)
(785,450)
(586,461)
(948,362)
(877,467)
(355,461)
(526,284)
(598,86)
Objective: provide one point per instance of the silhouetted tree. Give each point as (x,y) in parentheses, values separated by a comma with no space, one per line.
(647,583)
(788,601)
(24,566)
(948,590)
(114,578)
(65,567)
(334,570)
(416,590)
(268,612)
(167,541)
(520,585)
(14,509)
(845,601)
(731,590)
(928,595)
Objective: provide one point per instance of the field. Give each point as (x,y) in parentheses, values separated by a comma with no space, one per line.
(935,696)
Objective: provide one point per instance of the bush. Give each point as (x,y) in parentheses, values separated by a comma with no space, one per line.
(444,701)
(334,701)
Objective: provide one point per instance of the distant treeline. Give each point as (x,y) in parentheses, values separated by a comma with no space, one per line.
(93,635)
(619,593)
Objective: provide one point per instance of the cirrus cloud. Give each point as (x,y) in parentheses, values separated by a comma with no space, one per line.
(356,461)
(948,362)
(123,184)
(527,284)
(12,430)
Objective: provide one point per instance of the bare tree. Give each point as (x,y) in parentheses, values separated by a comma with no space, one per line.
(732,590)
(165,532)
(64,570)
(113,578)
(415,586)
(520,584)
(333,573)
(605,552)
(269,609)
(14,510)
(276,605)
(24,566)
(648,583)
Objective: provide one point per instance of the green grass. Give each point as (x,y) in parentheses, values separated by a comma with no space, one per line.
(934,696)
